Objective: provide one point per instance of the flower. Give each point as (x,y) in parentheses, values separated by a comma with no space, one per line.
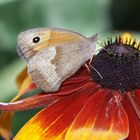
(101,101)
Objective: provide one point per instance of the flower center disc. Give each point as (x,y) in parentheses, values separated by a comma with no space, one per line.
(118,66)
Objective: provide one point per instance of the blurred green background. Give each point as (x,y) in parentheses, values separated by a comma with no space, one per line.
(84,16)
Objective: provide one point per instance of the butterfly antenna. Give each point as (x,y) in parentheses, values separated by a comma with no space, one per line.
(103,48)
(93,68)
(96,71)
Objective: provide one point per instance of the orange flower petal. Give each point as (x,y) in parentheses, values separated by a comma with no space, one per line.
(30,103)
(99,116)
(134,99)
(20,78)
(75,82)
(53,122)
(5,125)
(134,121)
(136,96)
(102,118)
(25,85)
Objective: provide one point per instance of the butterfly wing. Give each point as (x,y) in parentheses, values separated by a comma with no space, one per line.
(43,71)
(58,55)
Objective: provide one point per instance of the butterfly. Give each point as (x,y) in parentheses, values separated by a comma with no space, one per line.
(54,54)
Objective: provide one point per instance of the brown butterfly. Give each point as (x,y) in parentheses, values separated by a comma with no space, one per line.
(54,54)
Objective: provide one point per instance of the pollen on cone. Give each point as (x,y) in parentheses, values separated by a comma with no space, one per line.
(129,39)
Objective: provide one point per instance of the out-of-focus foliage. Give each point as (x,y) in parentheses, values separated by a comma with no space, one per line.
(125,15)
(86,17)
